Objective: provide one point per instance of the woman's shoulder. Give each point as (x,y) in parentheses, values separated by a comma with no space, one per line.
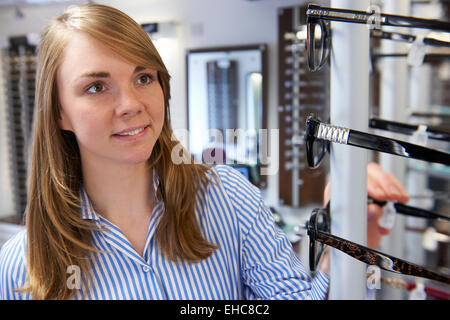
(12,263)
(235,182)
(13,246)
(244,197)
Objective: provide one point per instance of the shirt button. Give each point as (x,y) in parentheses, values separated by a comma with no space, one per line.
(146,268)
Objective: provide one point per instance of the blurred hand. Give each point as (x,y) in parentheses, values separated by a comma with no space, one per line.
(382,186)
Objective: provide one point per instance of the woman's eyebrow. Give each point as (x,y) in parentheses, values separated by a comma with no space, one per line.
(139,69)
(94,74)
(103,74)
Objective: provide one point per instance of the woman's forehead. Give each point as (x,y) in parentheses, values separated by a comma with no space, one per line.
(84,56)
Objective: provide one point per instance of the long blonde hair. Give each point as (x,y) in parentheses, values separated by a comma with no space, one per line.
(57,237)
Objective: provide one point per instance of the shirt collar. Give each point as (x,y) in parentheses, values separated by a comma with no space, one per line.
(87,210)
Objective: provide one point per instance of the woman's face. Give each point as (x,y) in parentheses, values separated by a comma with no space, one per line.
(114,108)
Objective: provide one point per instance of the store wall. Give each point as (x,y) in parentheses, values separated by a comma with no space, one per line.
(199,24)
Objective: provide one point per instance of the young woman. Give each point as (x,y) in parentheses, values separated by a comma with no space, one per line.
(109,215)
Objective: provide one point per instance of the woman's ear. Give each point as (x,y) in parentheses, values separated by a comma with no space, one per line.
(63,121)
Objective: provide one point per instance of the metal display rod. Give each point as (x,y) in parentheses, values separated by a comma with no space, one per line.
(349,85)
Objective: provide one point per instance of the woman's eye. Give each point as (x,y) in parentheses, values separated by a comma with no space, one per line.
(95,88)
(145,79)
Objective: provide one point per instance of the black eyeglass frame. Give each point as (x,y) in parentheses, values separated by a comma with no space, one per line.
(360,252)
(408,129)
(410,210)
(318,15)
(325,43)
(397,36)
(363,17)
(317,130)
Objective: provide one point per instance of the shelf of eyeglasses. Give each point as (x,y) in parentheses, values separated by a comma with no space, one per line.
(15,79)
(301,107)
(303,71)
(299,132)
(290,119)
(292,60)
(17,162)
(17,91)
(304,84)
(296,48)
(17,100)
(17,121)
(299,35)
(14,88)
(21,85)
(289,165)
(305,95)
(20,59)
(17,132)
(294,153)
(295,141)
(20,170)
(16,67)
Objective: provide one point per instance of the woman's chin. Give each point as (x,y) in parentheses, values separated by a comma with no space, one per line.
(135,159)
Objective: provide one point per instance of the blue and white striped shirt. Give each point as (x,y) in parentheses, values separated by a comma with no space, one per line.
(255,260)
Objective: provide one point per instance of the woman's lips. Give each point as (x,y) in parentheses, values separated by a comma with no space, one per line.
(132,133)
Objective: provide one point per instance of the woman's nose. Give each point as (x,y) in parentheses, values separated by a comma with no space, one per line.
(128,104)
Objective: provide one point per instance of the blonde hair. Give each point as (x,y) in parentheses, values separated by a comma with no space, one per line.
(57,236)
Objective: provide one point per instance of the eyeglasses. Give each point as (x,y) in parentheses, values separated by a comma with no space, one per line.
(429,57)
(318,136)
(410,210)
(405,128)
(318,41)
(397,36)
(318,229)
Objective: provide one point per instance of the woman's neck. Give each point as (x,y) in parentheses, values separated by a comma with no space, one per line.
(119,192)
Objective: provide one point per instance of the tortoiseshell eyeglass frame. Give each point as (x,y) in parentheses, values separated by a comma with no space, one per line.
(359,252)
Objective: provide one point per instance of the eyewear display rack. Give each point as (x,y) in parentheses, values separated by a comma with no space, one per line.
(406,88)
(19,68)
(300,93)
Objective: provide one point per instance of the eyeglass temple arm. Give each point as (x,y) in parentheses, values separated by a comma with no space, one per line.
(406,128)
(413,22)
(378,143)
(416,212)
(373,257)
(357,16)
(397,36)
(410,211)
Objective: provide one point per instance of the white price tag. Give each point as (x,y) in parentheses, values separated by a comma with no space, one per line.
(387,221)
(417,52)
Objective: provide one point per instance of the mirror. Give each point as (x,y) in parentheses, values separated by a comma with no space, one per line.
(226,107)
